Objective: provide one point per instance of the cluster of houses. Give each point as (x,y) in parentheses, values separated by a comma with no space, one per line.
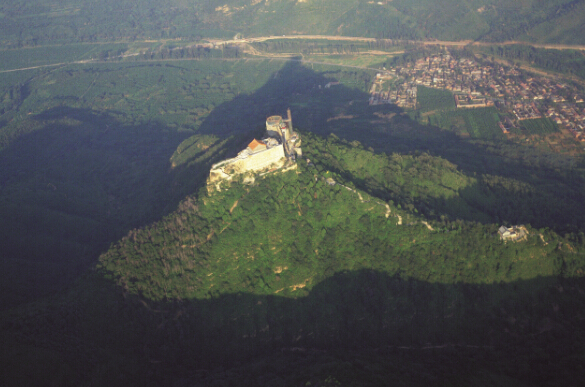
(570,117)
(464,77)
(477,84)
(404,94)
(526,111)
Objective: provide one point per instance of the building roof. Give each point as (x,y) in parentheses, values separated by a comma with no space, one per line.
(255,143)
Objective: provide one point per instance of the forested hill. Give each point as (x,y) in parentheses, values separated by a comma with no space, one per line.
(301,277)
(331,274)
(291,230)
(32,22)
(310,227)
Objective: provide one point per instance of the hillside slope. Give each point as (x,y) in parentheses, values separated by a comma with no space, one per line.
(323,277)
(36,22)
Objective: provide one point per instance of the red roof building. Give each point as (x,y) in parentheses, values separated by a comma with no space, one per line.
(256,146)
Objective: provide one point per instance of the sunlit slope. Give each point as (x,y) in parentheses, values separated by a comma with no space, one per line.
(291,231)
(564,27)
(36,22)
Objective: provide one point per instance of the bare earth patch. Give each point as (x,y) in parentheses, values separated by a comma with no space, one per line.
(299,286)
(280,269)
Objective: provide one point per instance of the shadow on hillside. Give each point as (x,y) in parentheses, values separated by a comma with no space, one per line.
(78,184)
(387,129)
(345,112)
(359,326)
(82,181)
(91,180)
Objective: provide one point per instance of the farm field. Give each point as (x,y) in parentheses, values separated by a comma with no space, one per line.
(540,126)
(431,99)
(480,123)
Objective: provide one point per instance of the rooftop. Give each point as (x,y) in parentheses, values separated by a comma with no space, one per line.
(255,143)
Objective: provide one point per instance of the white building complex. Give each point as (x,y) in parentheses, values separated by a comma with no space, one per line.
(279,147)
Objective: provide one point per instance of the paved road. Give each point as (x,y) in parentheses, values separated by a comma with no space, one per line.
(212,42)
(277,58)
(460,43)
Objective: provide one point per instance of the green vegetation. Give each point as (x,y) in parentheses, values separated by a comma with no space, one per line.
(322,46)
(142,92)
(288,231)
(53,55)
(479,123)
(564,27)
(435,188)
(376,262)
(147,133)
(394,272)
(90,151)
(571,62)
(540,126)
(77,178)
(33,22)
(432,100)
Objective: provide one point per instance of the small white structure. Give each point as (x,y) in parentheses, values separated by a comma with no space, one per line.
(514,233)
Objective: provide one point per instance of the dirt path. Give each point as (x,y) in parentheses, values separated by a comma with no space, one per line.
(428,225)
(85,61)
(388,210)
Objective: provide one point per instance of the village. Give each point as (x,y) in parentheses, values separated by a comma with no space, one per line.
(477,84)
